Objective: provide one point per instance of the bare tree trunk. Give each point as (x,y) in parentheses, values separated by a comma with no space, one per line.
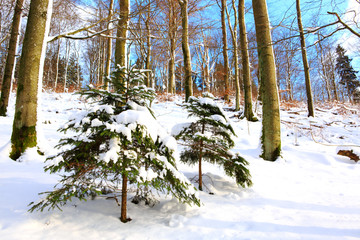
(10,60)
(67,58)
(148,45)
(120,48)
(332,78)
(225,47)
(186,49)
(30,73)
(248,111)
(271,138)
(109,47)
(288,79)
(305,63)
(233,32)
(172,38)
(57,66)
(323,71)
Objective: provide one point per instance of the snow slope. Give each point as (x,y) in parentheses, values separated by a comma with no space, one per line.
(310,193)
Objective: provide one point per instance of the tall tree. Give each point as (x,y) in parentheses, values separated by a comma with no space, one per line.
(186,49)
(30,73)
(172,38)
(122,29)
(225,48)
(245,62)
(305,62)
(271,139)
(10,60)
(233,31)
(109,46)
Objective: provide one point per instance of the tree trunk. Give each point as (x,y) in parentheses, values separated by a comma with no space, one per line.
(120,48)
(200,158)
(233,31)
(30,73)
(10,60)
(67,58)
(109,47)
(305,63)
(148,45)
(271,139)
(172,39)
(123,217)
(186,49)
(245,62)
(57,65)
(225,54)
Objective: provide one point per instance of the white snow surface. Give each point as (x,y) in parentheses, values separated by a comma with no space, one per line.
(309,193)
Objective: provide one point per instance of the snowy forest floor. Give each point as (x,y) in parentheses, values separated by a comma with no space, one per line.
(309,193)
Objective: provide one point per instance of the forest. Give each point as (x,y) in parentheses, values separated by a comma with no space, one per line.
(185,119)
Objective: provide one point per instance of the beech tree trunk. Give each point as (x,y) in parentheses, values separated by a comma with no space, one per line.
(10,60)
(149,82)
(186,49)
(271,139)
(172,39)
(109,48)
(120,48)
(233,31)
(30,73)
(225,54)
(305,63)
(57,65)
(245,62)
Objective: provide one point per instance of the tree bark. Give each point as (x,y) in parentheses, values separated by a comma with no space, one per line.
(225,54)
(233,31)
(120,48)
(30,73)
(305,62)
(149,82)
(245,62)
(172,39)
(109,47)
(123,216)
(57,65)
(186,49)
(10,60)
(271,139)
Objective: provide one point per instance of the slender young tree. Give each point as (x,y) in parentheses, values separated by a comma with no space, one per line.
(271,139)
(186,49)
(172,38)
(225,48)
(305,62)
(109,46)
(10,60)
(245,62)
(233,31)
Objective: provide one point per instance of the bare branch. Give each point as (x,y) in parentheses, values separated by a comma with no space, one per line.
(344,24)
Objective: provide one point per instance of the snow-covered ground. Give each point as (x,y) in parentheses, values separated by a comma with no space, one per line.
(310,193)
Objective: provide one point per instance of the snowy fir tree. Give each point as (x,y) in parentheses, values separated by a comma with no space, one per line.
(116,142)
(209,138)
(346,72)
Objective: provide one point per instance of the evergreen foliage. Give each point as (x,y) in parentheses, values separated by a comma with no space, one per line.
(117,141)
(209,138)
(346,72)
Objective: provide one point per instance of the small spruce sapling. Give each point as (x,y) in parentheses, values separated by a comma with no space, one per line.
(209,138)
(117,142)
